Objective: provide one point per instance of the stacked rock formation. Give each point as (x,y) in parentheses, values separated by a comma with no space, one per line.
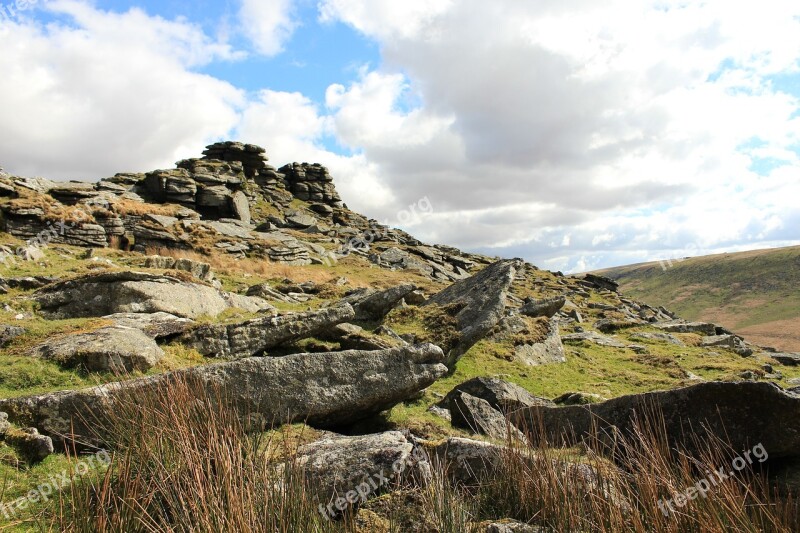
(311,183)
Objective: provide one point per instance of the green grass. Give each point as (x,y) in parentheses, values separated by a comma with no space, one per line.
(751,287)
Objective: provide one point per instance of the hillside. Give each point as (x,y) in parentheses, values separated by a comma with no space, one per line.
(231,348)
(755,294)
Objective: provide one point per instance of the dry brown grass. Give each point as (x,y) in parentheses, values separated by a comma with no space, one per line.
(53,211)
(188,462)
(262,267)
(130,207)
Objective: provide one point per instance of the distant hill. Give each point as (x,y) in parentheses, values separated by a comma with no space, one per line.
(755,294)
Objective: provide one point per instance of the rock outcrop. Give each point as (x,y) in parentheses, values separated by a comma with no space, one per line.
(9,333)
(159,326)
(502,395)
(136,292)
(324,390)
(476,415)
(743,414)
(253,337)
(481,300)
(547,308)
(348,471)
(372,305)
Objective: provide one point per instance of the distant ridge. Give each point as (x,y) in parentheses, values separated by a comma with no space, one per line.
(754,293)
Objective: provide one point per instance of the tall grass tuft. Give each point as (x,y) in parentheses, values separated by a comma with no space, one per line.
(616,482)
(187,462)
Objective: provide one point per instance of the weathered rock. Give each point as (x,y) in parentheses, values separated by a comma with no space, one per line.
(468,462)
(290,253)
(578,398)
(476,415)
(111,349)
(548,351)
(730,342)
(9,333)
(602,282)
(324,390)
(352,337)
(501,395)
(482,302)
(30,444)
(659,337)
(594,337)
(268,292)
(548,308)
(254,337)
(743,414)
(512,526)
(29,283)
(786,359)
(687,327)
(241,207)
(197,269)
(134,292)
(353,470)
(607,325)
(4,425)
(156,325)
(372,305)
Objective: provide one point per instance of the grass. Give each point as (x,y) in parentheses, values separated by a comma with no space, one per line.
(187,462)
(738,290)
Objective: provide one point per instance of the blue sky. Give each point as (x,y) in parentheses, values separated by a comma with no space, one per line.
(576,135)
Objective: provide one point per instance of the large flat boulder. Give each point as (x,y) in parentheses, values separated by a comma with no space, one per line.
(136,292)
(156,325)
(253,337)
(744,414)
(325,390)
(112,349)
(482,302)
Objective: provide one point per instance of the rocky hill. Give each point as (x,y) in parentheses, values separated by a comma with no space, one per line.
(361,346)
(752,293)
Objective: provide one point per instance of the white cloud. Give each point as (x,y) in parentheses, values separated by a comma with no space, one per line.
(621,129)
(290,126)
(108,92)
(385,20)
(268,24)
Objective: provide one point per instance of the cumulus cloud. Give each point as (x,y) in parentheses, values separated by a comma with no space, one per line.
(293,127)
(105,92)
(576,132)
(268,24)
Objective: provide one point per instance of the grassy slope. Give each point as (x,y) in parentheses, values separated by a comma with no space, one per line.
(606,371)
(756,294)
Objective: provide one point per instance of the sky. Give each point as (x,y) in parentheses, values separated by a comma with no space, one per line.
(573,133)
